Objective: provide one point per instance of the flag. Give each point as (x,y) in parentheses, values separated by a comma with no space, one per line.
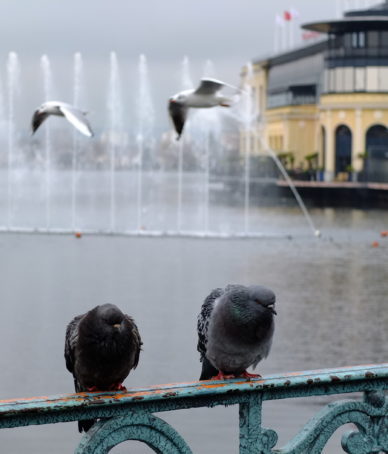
(287,16)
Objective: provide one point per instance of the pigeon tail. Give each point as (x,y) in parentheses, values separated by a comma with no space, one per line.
(85,425)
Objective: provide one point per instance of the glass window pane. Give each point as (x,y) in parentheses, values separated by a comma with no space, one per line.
(359,79)
(348,79)
(361,39)
(339,79)
(348,40)
(384,38)
(383,79)
(373,39)
(372,78)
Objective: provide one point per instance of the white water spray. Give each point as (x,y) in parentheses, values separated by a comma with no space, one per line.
(47,94)
(78,87)
(145,132)
(13,86)
(115,117)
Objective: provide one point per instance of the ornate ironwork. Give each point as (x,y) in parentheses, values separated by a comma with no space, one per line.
(129,416)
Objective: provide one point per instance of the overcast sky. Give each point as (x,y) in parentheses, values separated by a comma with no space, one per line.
(228,32)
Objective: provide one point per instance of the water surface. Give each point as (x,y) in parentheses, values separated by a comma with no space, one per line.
(332,311)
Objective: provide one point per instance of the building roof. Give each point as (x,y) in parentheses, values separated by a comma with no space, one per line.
(375,18)
(294,54)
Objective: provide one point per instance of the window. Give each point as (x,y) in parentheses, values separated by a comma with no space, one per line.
(358,39)
(383,79)
(384,38)
(372,78)
(348,79)
(373,39)
(359,79)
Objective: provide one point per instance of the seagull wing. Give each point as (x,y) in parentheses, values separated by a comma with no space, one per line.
(37,119)
(178,114)
(209,87)
(77,119)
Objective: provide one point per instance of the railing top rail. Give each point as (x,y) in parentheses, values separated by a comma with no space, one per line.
(330,380)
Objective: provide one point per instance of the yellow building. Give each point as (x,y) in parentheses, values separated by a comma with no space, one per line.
(325,105)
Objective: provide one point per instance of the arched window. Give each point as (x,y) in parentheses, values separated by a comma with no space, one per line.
(343,148)
(376,158)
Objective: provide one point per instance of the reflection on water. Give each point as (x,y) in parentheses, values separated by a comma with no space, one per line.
(331,312)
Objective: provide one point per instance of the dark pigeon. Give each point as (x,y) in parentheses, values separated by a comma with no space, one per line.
(101,348)
(235,330)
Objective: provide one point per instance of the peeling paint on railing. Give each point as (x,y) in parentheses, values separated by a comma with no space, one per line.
(129,415)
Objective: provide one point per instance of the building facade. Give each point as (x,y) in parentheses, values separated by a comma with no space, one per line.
(325,106)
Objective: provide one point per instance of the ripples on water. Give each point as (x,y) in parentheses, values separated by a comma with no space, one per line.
(331,303)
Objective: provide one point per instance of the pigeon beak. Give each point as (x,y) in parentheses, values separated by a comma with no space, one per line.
(117,325)
(272,309)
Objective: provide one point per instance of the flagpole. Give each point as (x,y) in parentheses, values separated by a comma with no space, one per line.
(275,39)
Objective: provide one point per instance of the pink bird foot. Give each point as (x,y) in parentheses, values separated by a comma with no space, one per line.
(118,387)
(247,375)
(92,389)
(222,376)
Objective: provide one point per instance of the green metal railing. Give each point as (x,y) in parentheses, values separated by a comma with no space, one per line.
(129,416)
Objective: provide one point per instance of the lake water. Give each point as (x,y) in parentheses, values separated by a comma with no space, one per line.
(332,311)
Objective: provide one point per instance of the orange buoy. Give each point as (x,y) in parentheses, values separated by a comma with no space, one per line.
(78,234)
(375,244)
(384,233)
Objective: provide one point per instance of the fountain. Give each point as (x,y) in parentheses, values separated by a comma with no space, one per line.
(248,114)
(145,134)
(77,101)
(13,85)
(115,135)
(198,186)
(47,96)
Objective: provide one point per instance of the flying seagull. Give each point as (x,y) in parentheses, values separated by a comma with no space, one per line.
(205,96)
(235,329)
(101,348)
(74,115)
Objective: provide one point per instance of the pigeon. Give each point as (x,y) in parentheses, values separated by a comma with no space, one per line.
(206,95)
(235,330)
(74,115)
(101,348)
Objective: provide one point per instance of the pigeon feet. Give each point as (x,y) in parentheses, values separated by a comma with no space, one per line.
(222,376)
(117,387)
(92,389)
(247,375)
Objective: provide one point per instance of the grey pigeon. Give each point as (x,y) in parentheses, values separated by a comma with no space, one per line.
(101,348)
(205,96)
(235,330)
(74,115)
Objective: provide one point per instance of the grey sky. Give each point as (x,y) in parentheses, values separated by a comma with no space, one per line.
(229,32)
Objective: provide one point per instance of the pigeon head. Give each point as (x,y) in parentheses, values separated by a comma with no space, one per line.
(108,317)
(247,305)
(263,296)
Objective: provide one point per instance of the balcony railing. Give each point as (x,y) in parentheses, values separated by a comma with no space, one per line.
(130,416)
